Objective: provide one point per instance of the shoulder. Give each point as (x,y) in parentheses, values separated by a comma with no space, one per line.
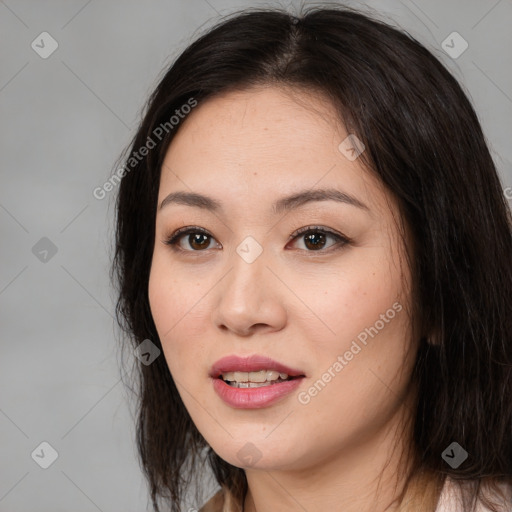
(451,497)
(214,504)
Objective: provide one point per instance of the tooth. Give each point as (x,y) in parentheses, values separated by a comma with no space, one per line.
(241,376)
(260,376)
(252,384)
(256,377)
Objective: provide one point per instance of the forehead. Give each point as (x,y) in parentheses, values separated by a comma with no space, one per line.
(257,126)
(263,142)
(260,112)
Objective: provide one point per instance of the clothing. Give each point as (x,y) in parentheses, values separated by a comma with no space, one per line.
(449,500)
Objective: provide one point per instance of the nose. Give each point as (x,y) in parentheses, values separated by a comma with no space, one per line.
(249,299)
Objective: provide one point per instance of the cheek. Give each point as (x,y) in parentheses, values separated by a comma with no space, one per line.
(364,308)
(177,308)
(354,297)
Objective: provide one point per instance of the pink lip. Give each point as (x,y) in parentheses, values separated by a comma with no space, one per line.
(250,364)
(252,398)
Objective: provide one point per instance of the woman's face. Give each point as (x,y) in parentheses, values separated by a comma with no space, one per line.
(328,305)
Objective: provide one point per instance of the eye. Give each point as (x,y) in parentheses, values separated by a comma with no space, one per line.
(315,237)
(198,238)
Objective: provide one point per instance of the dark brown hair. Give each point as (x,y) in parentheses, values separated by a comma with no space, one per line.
(424,141)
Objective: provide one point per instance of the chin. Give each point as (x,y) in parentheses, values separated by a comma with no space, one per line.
(258,454)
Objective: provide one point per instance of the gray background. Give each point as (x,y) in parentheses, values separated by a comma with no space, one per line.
(64,120)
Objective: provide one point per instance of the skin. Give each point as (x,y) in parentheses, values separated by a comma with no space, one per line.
(300,306)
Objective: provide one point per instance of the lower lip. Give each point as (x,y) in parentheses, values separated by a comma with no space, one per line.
(254,398)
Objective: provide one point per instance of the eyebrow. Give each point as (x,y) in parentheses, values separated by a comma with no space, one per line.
(284,204)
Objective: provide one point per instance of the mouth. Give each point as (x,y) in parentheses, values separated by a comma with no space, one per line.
(256,379)
(255,369)
(253,382)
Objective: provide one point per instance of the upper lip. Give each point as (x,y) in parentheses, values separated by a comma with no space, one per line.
(252,363)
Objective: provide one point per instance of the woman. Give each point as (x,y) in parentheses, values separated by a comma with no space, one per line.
(311,229)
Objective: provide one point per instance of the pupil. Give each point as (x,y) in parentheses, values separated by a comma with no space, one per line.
(195,240)
(315,244)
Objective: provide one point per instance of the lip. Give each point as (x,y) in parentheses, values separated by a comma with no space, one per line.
(250,364)
(253,398)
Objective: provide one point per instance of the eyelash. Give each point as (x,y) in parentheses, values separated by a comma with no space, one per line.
(341,240)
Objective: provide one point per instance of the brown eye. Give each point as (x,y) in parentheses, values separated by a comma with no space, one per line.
(315,238)
(314,241)
(198,239)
